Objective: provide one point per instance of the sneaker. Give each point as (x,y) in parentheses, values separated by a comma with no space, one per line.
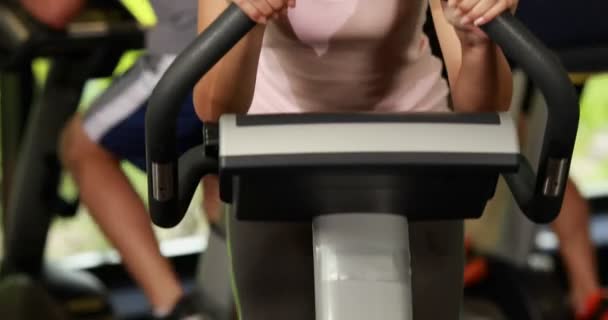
(597,307)
(476,266)
(189,307)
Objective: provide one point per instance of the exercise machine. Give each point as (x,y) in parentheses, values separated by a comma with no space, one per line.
(256,166)
(89,47)
(380,197)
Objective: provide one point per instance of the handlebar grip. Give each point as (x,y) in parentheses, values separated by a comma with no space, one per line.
(540,195)
(194,62)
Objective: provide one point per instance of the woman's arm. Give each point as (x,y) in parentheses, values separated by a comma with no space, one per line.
(478,72)
(54,13)
(228,86)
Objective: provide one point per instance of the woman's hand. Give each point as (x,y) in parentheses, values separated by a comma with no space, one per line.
(468,15)
(261,11)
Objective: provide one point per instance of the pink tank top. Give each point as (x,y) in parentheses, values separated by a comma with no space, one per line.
(349,55)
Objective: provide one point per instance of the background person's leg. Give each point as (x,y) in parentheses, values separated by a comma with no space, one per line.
(577,251)
(120,213)
(92,146)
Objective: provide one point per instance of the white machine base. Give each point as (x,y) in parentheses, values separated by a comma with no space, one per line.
(362,267)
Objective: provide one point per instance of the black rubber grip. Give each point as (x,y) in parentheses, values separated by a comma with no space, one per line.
(161,118)
(547,73)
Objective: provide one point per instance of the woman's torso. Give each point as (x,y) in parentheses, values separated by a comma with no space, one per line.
(338,55)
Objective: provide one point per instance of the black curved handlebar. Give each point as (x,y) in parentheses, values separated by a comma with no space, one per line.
(539,196)
(165,102)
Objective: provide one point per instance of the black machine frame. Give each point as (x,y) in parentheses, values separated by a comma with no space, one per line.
(32,119)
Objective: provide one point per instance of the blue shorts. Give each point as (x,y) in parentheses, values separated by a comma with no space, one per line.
(116,120)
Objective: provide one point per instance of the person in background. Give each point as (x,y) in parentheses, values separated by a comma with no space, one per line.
(111,130)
